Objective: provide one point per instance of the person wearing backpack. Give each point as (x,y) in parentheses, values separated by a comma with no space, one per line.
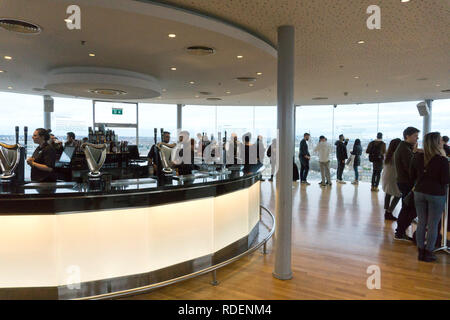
(376,150)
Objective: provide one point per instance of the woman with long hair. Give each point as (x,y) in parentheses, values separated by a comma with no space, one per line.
(42,162)
(430,170)
(389,181)
(357,152)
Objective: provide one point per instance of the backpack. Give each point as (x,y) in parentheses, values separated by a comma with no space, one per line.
(375,152)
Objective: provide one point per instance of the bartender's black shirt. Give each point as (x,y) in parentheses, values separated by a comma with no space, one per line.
(47,156)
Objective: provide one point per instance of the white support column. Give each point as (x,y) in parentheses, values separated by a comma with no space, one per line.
(179,116)
(48,109)
(285,125)
(427,119)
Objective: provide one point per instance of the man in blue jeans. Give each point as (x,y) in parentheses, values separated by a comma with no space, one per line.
(341,156)
(304,159)
(402,159)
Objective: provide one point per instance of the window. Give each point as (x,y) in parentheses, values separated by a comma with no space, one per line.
(71,115)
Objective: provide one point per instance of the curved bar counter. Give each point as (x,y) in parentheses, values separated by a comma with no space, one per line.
(66,241)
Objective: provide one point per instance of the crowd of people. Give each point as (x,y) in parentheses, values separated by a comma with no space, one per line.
(419,177)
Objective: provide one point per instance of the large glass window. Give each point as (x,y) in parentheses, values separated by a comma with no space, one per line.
(153,116)
(396,116)
(237,120)
(200,119)
(440,119)
(71,115)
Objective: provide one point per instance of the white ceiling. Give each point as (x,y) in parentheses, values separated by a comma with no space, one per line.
(413,43)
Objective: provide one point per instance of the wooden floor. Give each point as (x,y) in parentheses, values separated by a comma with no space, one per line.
(338,233)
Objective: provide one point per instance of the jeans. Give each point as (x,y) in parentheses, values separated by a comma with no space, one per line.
(429,210)
(388,205)
(325,171)
(376,175)
(340,169)
(356,173)
(304,168)
(407,213)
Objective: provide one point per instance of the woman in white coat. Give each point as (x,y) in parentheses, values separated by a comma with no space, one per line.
(389,181)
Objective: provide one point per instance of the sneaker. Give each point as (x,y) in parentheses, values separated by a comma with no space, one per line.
(428,256)
(355,182)
(389,216)
(322,184)
(341,181)
(329,183)
(307,183)
(402,237)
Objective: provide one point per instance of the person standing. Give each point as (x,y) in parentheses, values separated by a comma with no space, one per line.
(42,162)
(446,147)
(376,150)
(324,150)
(402,160)
(304,159)
(357,152)
(430,170)
(389,181)
(341,155)
(272,154)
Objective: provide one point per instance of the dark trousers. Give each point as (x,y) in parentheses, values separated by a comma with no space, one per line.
(304,168)
(407,213)
(376,174)
(340,169)
(388,205)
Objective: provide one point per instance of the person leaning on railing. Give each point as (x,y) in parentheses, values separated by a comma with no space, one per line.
(430,170)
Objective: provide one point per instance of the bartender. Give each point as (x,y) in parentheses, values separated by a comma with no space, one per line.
(43,160)
(154,158)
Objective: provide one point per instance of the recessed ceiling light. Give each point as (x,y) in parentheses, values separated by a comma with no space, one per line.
(1,71)
(68,20)
(259,73)
(172,35)
(405,1)
(8,58)
(361,42)
(228,92)
(377,91)
(239,57)
(250,85)
(356,77)
(173,68)
(164,90)
(19,26)
(10,88)
(438,85)
(191,82)
(91,54)
(197,96)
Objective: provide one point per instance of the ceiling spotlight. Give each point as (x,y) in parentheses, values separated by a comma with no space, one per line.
(361,42)
(172,35)
(91,54)
(356,77)
(259,73)
(8,58)
(191,82)
(173,68)
(239,57)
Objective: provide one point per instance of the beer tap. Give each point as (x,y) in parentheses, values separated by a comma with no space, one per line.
(25,139)
(17,135)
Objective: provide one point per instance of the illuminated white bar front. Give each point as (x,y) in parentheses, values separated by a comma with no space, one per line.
(49,250)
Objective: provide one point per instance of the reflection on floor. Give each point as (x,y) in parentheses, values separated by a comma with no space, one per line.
(338,232)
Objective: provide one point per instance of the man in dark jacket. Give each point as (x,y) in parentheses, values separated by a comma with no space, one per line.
(446,147)
(341,155)
(304,159)
(376,150)
(402,160)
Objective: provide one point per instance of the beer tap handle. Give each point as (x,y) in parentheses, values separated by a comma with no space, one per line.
(17,134)
(25,136)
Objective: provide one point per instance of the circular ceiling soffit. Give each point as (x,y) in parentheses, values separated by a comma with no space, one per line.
(200,50)
(213,99)
(19,26)
(93,82)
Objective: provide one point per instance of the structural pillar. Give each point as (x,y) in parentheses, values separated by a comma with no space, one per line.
(179,116)
(48,109)
(285,125)
(427,119)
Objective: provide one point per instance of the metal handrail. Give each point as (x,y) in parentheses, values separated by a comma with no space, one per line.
(191,275)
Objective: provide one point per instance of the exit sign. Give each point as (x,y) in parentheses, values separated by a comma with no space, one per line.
(117,111)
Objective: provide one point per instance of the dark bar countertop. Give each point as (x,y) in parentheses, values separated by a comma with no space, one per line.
(72,197)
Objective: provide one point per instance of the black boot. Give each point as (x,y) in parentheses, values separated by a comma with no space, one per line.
(428,256)
(389,216)
(421,254)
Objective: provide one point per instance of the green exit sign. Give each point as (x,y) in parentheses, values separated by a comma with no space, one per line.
(118,111)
